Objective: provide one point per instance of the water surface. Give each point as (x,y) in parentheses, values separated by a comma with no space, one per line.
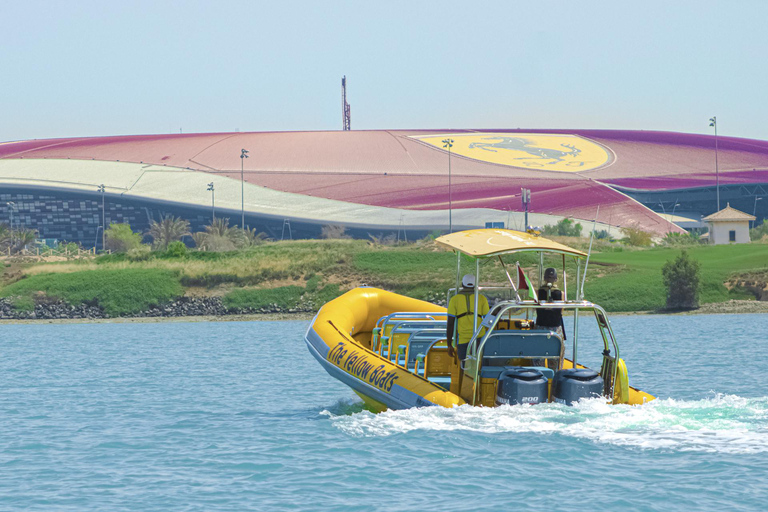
(238,416)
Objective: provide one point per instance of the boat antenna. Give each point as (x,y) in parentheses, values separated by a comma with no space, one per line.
(514,288)
(589,253)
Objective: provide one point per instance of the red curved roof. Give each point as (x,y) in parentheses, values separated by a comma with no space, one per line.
(390,168)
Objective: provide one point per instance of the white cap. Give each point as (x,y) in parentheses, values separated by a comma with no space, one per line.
(468,281)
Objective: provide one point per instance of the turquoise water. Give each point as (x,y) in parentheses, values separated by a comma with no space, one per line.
(238,416)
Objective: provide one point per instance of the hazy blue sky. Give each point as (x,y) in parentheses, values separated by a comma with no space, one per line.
(80,68)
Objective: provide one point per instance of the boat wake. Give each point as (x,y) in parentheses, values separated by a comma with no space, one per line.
(719,424)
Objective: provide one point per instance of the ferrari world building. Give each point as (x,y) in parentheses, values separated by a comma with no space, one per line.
(379,182)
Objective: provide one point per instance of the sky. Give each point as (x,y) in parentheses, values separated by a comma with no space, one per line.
(92,68)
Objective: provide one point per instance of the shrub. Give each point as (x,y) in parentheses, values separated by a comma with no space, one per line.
(566,227)
(759,232)
(602,234)
(636,237)
(120,238)
(176,249)
(681,239)
(681,278)
(333,232)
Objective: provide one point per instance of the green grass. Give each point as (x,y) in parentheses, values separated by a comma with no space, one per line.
(118,292)
(636,285)
(299,272)
(284,296)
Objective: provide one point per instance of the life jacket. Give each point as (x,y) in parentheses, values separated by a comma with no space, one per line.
(465,319)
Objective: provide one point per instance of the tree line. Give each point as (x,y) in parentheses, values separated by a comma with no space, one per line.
(216,236)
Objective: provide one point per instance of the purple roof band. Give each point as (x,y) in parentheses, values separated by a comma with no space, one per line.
(389,168)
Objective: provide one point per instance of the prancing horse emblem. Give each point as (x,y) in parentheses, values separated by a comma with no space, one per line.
(525,145)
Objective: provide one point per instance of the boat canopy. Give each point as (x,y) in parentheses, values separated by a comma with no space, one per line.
(486,243)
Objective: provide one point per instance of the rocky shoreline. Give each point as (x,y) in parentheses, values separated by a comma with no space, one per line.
(212,308)
(182,307)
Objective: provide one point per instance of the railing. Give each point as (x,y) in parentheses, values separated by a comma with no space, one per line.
(47,252)
(474,352)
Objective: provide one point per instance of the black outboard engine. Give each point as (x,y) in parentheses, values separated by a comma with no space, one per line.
(570,385)
(521,386)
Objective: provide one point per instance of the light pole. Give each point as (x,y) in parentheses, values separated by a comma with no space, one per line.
(713,122)
(213,204)
(754,210)
(243,156)
(103,189)
(525,195)
(448,143)
(11,205)
(675,207)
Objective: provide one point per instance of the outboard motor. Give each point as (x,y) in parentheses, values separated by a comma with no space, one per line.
(521,386)
(570,385)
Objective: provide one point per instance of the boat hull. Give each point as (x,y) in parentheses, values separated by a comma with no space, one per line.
(339,337)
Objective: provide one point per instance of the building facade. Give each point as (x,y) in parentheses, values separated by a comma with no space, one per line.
(729,226)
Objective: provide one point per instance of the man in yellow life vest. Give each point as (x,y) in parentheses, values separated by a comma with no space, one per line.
(461,317)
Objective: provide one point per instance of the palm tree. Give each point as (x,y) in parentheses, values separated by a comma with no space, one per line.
(22,238)
(168,230)
(201,240)
(253,238)
(220,237)
(5,236)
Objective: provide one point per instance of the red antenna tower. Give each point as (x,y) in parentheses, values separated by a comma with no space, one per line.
(346,116)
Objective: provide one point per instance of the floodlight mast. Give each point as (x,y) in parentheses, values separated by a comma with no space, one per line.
(525,194)
(448,144)
(346,114)
(713,123)
(243,156)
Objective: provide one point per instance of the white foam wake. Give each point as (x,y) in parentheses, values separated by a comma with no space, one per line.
(722,423)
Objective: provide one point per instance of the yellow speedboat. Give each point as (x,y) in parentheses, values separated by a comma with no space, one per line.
(391,349)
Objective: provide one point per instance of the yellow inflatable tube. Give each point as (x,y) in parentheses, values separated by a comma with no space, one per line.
(339,338)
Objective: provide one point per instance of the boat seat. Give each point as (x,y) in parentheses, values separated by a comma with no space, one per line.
(403,332)
(533,344)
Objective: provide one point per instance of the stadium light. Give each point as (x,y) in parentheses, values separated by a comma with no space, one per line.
(11,205)
(713,122)
(243,156)
(103,190)
(213,205)
(448,143)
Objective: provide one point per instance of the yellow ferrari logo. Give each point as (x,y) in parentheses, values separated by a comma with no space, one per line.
(567,153)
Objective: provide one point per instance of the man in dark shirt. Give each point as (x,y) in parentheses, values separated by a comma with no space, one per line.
(551,318)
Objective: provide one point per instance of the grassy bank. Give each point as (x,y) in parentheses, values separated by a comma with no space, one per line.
(118,292)
(306,274)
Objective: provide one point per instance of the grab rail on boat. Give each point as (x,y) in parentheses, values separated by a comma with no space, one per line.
(379,332)
(380,325)
(381,341)
(606,331)
(427,335)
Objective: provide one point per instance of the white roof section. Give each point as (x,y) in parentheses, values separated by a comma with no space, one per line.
(188,187)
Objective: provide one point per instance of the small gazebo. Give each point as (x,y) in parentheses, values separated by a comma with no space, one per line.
(729,226)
